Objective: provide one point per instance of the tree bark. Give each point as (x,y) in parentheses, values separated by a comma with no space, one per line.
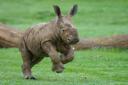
(118,41)
(9,37)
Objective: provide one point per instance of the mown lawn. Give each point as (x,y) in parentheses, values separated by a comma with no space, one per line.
(91,67)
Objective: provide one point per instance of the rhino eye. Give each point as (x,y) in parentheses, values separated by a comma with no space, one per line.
(63,30)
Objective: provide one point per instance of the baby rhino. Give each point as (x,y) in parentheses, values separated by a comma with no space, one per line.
(53,39)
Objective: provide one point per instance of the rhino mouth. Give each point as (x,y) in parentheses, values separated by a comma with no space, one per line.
(74,41)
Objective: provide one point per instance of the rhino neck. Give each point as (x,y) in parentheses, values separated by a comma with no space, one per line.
(56,38)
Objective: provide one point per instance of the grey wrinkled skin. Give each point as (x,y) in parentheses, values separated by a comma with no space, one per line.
(49,39)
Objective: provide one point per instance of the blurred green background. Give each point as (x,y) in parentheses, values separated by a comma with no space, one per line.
(95,18)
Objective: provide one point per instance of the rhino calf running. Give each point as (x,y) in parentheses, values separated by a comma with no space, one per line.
(49,39)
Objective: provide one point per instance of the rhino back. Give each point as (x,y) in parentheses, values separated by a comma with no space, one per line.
(36,35)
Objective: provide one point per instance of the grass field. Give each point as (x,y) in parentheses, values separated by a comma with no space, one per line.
(91,67)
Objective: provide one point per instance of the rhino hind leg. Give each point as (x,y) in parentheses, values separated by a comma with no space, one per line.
(26,66)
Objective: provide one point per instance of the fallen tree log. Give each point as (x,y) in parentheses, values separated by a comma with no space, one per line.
(118,41)
(9,37)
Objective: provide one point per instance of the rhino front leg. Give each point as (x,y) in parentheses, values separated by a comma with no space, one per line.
(67,55)
(51,51)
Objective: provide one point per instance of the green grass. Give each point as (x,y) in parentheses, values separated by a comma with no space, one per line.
(91,67)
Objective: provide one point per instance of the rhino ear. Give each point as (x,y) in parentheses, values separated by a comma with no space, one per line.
(57,10)
(73,11)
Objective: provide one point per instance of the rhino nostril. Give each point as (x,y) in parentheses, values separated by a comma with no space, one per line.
(69,39)
(73,41)
(76,40)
